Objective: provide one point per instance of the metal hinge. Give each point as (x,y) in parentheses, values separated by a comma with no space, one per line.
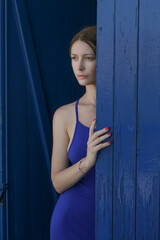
(3,188)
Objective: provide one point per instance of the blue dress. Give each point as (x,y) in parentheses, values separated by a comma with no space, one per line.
(73,217)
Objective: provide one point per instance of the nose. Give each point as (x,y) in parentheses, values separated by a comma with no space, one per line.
(81,65)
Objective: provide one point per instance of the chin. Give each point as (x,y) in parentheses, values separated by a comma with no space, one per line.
(87,84)
(83,84)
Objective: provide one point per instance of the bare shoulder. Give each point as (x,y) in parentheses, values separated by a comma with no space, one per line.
(64,115)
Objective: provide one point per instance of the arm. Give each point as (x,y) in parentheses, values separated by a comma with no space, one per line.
(63,176)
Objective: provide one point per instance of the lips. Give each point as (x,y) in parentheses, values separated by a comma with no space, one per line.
(82,75)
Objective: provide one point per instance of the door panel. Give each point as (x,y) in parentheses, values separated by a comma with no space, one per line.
(128,93)
(148,128)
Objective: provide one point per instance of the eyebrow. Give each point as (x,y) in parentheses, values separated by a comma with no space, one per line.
(84,54)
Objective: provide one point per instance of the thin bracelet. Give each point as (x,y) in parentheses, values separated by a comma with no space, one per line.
(80,168)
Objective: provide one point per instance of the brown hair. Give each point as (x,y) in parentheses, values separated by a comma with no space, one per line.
(88,35)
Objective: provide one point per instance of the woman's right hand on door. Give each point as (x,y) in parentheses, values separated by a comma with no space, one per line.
(94,142)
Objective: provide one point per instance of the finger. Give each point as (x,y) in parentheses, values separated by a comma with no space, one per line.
(101,138)
(98,133)
(102,145)
(92,127)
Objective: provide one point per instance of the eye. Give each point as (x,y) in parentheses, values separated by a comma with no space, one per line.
(90,58)
(74,58)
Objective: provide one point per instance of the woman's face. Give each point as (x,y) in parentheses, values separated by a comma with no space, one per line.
(83,61)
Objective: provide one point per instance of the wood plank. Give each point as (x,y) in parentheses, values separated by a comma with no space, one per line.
(148,138)
(104,85)
(125,108)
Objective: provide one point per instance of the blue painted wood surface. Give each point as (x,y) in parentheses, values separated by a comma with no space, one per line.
(125,119)
(104,112)
(128,101)
(148,129)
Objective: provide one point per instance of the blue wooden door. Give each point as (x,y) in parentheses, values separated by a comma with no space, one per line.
(128,101)
(37,79)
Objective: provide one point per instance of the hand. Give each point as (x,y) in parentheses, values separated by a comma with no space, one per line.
(94,142)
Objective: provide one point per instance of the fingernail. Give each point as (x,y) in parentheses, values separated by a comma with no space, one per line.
(94,119)
(109,133)
(110,142)
(107,128)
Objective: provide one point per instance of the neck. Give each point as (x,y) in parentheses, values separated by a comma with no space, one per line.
(90,94)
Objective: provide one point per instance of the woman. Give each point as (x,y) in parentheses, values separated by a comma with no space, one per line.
(75,147)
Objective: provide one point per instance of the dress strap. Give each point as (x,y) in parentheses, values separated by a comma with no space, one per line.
(76,107)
